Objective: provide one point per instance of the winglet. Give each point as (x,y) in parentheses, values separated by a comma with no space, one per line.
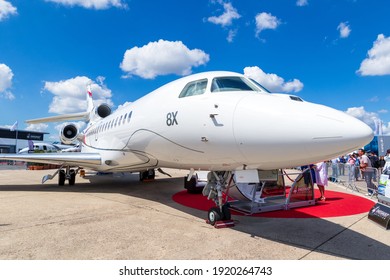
(89,98)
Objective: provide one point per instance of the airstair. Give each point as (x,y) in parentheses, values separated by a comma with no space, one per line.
(271,190)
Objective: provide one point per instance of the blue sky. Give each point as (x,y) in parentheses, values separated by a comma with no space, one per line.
(332,52)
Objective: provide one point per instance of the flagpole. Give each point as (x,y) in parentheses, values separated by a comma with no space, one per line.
(16,141)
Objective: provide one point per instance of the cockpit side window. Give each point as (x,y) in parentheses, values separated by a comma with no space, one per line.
(259,85)
(194,88)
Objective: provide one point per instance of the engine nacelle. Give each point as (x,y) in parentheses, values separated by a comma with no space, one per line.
(103,110)
(68,134)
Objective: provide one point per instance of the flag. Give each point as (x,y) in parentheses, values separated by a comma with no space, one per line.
(378,127)
(14,126)
(30,145)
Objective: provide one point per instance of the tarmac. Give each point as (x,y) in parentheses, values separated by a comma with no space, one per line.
(120,218)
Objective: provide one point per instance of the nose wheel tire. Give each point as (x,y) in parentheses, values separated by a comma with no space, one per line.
(226,212)
(214,215)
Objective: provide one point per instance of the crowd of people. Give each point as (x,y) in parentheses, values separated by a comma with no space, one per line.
(360,165)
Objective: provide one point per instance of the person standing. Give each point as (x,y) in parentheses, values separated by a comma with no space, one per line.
(321,178)
(367,170)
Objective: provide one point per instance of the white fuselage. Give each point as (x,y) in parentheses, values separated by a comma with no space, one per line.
(221,130)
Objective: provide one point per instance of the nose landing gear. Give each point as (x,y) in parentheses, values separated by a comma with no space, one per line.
(218,183)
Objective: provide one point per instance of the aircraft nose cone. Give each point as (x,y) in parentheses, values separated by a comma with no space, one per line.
(340,132)
(358,132)
(271,130)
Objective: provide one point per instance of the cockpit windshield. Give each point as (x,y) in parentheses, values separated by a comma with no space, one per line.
(234,84)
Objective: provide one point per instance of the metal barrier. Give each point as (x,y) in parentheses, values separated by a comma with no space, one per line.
(352,177)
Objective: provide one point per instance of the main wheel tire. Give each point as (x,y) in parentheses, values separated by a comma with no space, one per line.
(72,178)
(61,177)
(190,185)
(214,215)
(151,174)
(147,175)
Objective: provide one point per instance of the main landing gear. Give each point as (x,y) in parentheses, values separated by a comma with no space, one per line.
(147,175)
(67,174)
(217,184)
(64,173)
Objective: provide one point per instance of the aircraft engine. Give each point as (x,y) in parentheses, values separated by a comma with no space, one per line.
(103,110)
(68,134)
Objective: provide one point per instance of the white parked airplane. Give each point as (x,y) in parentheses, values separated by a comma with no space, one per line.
(41,146)
(48,148)
(216,121)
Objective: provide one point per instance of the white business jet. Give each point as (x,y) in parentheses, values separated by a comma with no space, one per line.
(216,121)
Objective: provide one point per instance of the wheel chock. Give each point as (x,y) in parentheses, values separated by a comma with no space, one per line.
(223,224)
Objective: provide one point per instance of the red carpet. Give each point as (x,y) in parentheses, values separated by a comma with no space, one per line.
(337,204)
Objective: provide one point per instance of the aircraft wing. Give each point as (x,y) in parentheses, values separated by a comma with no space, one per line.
(59,118)
(76,159)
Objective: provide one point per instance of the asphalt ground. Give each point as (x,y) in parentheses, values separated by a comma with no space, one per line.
(120,218)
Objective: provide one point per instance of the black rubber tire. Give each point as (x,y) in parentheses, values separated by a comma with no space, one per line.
(147,175)
(61,177)
(191,186)
(226,212)
(214,215)
(151,174)
(72,179)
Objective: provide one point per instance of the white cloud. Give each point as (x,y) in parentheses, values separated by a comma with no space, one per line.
(302,3)
(370,118)
(231,35)
(92,4)
(124,105)
(378,61)
(266,21)
(344,29)
(40,127)
(6,82)
(6,10)
(162,58)
(229,14)
(374,99)
(70,95)
(272,82)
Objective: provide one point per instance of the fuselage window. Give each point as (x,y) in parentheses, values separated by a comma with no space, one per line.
(120,121)
(232,84)
(194,88)
(129,117)
(124,118)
